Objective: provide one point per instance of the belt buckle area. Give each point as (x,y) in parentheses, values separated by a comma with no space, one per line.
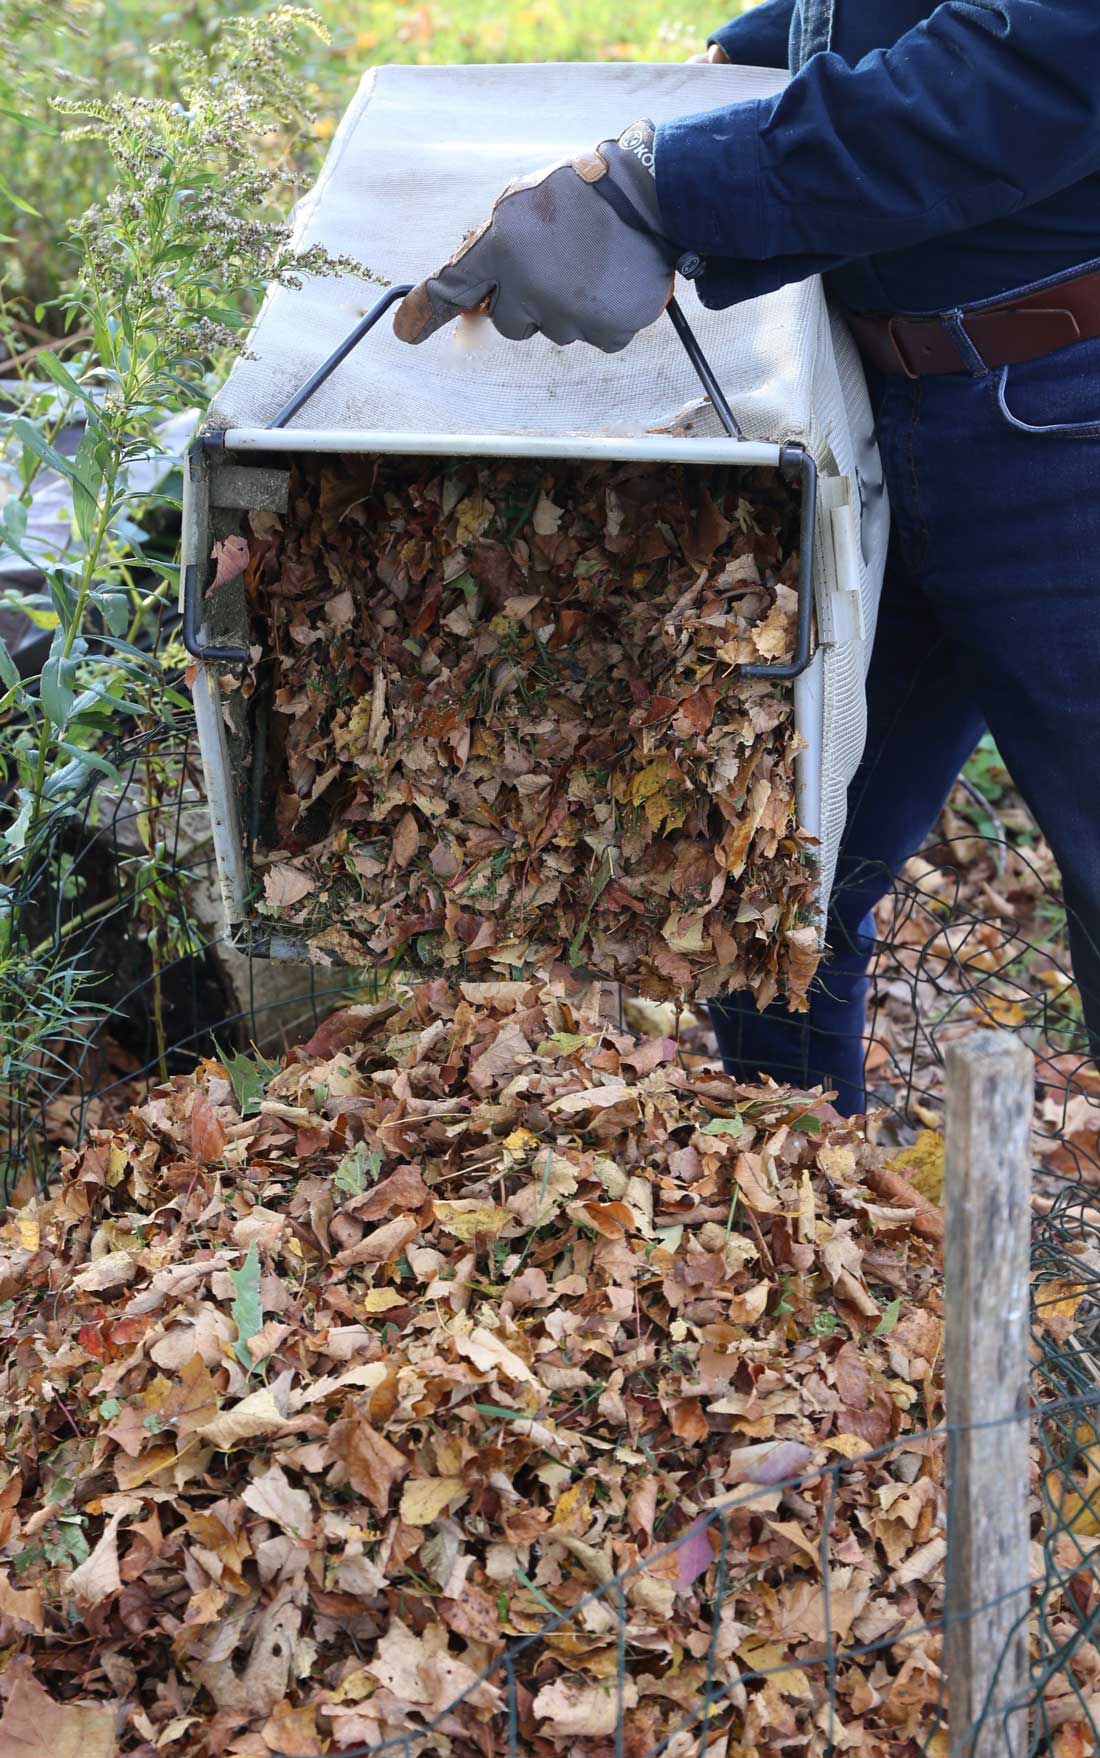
(899,352)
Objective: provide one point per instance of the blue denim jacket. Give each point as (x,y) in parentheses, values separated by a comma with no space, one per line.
(922,157)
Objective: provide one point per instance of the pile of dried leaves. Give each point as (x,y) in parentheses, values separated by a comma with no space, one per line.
(510,727)
(321,1382)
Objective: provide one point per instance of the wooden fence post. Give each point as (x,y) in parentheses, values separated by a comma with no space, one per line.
(987,1199)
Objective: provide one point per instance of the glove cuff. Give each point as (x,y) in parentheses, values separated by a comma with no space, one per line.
(630,187)
(631,162)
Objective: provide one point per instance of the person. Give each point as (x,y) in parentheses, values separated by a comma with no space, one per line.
(940,166)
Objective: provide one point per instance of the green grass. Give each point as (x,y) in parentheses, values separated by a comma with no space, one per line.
(101,48)
(547,30)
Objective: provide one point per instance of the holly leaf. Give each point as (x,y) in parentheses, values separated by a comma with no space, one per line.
(248,1076)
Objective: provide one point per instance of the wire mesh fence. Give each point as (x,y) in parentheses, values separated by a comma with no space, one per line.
(800,1700)
(119,910)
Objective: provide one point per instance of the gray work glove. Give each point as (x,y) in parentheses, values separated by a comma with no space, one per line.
(575,251)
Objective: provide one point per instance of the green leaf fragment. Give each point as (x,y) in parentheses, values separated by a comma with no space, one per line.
(807,1125)
(247,1310)
(55,688)
(566,1043)
(358,1166)
(9,671)
(723,1126)
(537,1594)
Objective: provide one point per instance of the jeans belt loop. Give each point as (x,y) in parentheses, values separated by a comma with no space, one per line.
(955,324)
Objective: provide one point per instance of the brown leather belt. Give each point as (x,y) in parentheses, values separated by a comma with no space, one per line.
(1003,335)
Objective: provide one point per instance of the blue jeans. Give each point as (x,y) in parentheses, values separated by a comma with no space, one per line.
(990,618)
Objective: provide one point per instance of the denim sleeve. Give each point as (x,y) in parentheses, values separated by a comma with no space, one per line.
(759,37)
(984,108)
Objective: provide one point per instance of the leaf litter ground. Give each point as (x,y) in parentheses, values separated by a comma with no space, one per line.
(321,1381)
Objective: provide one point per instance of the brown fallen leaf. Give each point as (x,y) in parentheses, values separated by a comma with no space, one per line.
(293,1728)
(35,1725)
(254,1690)
(247,1420)
(22,1605)
(425,1498)
(231,557)
(273,1497)
(927,1219)
(475,1413)
(372,1464)
(571,1709)
(406,840)
(98,1578)
(286,884)
(208,1136)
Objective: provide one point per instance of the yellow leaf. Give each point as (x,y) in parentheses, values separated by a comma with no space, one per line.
(466,1217)
(324,128)
(768,1658)
(569,1501)
(922,1164)
(661,810)
(131,1474)
(1075,1502)
(382,1300)
(1003,1011)
(648,781)
(850,1446)
(30,1234)
(355,1686)
(1056,1306)
(472,515)
(156,1393)
(424,1499)
(521,1140)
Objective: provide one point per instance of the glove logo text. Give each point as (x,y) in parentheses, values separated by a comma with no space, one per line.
(634,141)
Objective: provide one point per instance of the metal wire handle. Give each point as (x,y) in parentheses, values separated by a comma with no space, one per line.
(794,461)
